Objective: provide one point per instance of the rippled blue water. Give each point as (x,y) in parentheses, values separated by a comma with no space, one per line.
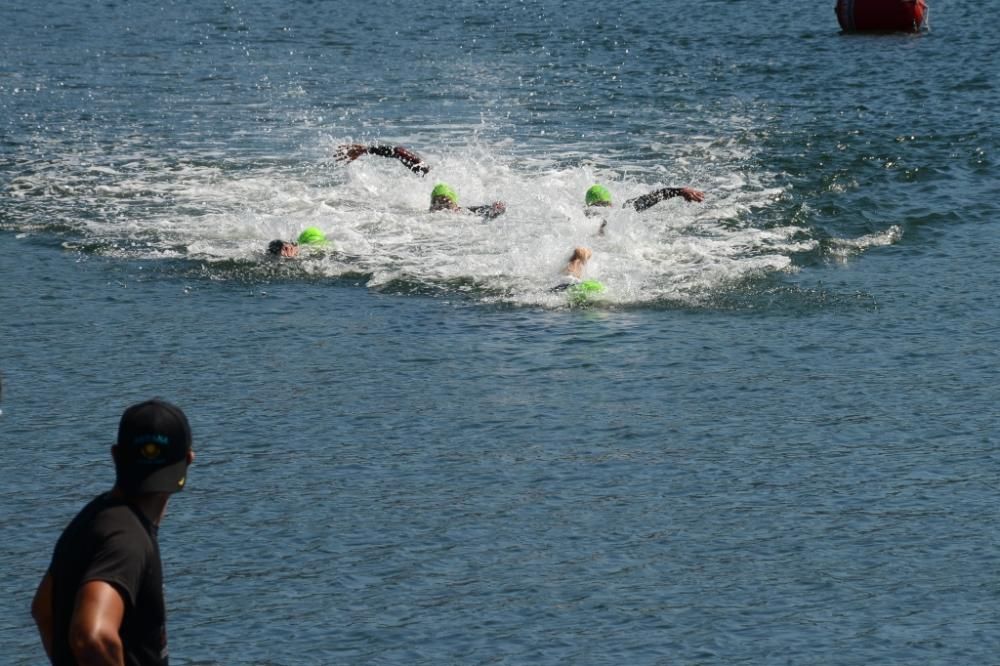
(773,441)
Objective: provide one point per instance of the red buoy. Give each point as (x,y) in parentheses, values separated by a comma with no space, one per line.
(894,15)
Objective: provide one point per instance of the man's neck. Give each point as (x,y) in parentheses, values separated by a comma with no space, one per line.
(152,505)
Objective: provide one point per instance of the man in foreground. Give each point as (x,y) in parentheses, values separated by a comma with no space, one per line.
(101,600)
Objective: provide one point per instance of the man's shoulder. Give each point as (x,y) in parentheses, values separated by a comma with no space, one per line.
(106,516)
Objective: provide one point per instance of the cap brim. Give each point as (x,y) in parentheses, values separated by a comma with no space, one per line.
(165,479)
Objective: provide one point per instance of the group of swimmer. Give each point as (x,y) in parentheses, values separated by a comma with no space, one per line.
(444,198)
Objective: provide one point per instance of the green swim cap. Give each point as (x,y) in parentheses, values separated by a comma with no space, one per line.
(312,236)
(442,190)
(581,292)
(588,287)
(598,194)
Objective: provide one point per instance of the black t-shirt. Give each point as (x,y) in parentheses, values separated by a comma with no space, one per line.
(112,541)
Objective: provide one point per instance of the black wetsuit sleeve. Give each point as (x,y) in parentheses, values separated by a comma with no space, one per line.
(409,159)
(489,211)
(653,198)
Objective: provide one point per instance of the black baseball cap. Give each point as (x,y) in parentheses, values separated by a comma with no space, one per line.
(154,439)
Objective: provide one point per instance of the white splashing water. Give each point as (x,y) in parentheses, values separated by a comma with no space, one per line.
(374,211)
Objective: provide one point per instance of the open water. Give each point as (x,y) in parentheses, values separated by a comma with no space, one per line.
(771,440)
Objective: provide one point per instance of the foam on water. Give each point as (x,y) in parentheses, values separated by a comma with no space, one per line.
(214,211)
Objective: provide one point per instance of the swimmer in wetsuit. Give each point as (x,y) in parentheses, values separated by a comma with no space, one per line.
(580,291)
(409,159)
(598,197)
(442,197)
(310,236)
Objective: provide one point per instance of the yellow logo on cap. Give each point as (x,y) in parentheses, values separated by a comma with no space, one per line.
(150,450)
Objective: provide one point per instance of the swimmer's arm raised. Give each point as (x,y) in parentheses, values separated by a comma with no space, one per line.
(409,159)
(656,196)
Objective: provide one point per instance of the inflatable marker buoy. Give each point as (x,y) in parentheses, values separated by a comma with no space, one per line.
(889,15)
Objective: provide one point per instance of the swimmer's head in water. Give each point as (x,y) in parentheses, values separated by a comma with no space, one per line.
(598,195)
(312,236)
(281,248)
(442,196)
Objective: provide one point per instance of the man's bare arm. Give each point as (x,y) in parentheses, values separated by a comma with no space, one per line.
(93,631)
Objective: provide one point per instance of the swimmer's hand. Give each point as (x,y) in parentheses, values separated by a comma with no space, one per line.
(579,259)
(691,194)
(350,151)
(490,211)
